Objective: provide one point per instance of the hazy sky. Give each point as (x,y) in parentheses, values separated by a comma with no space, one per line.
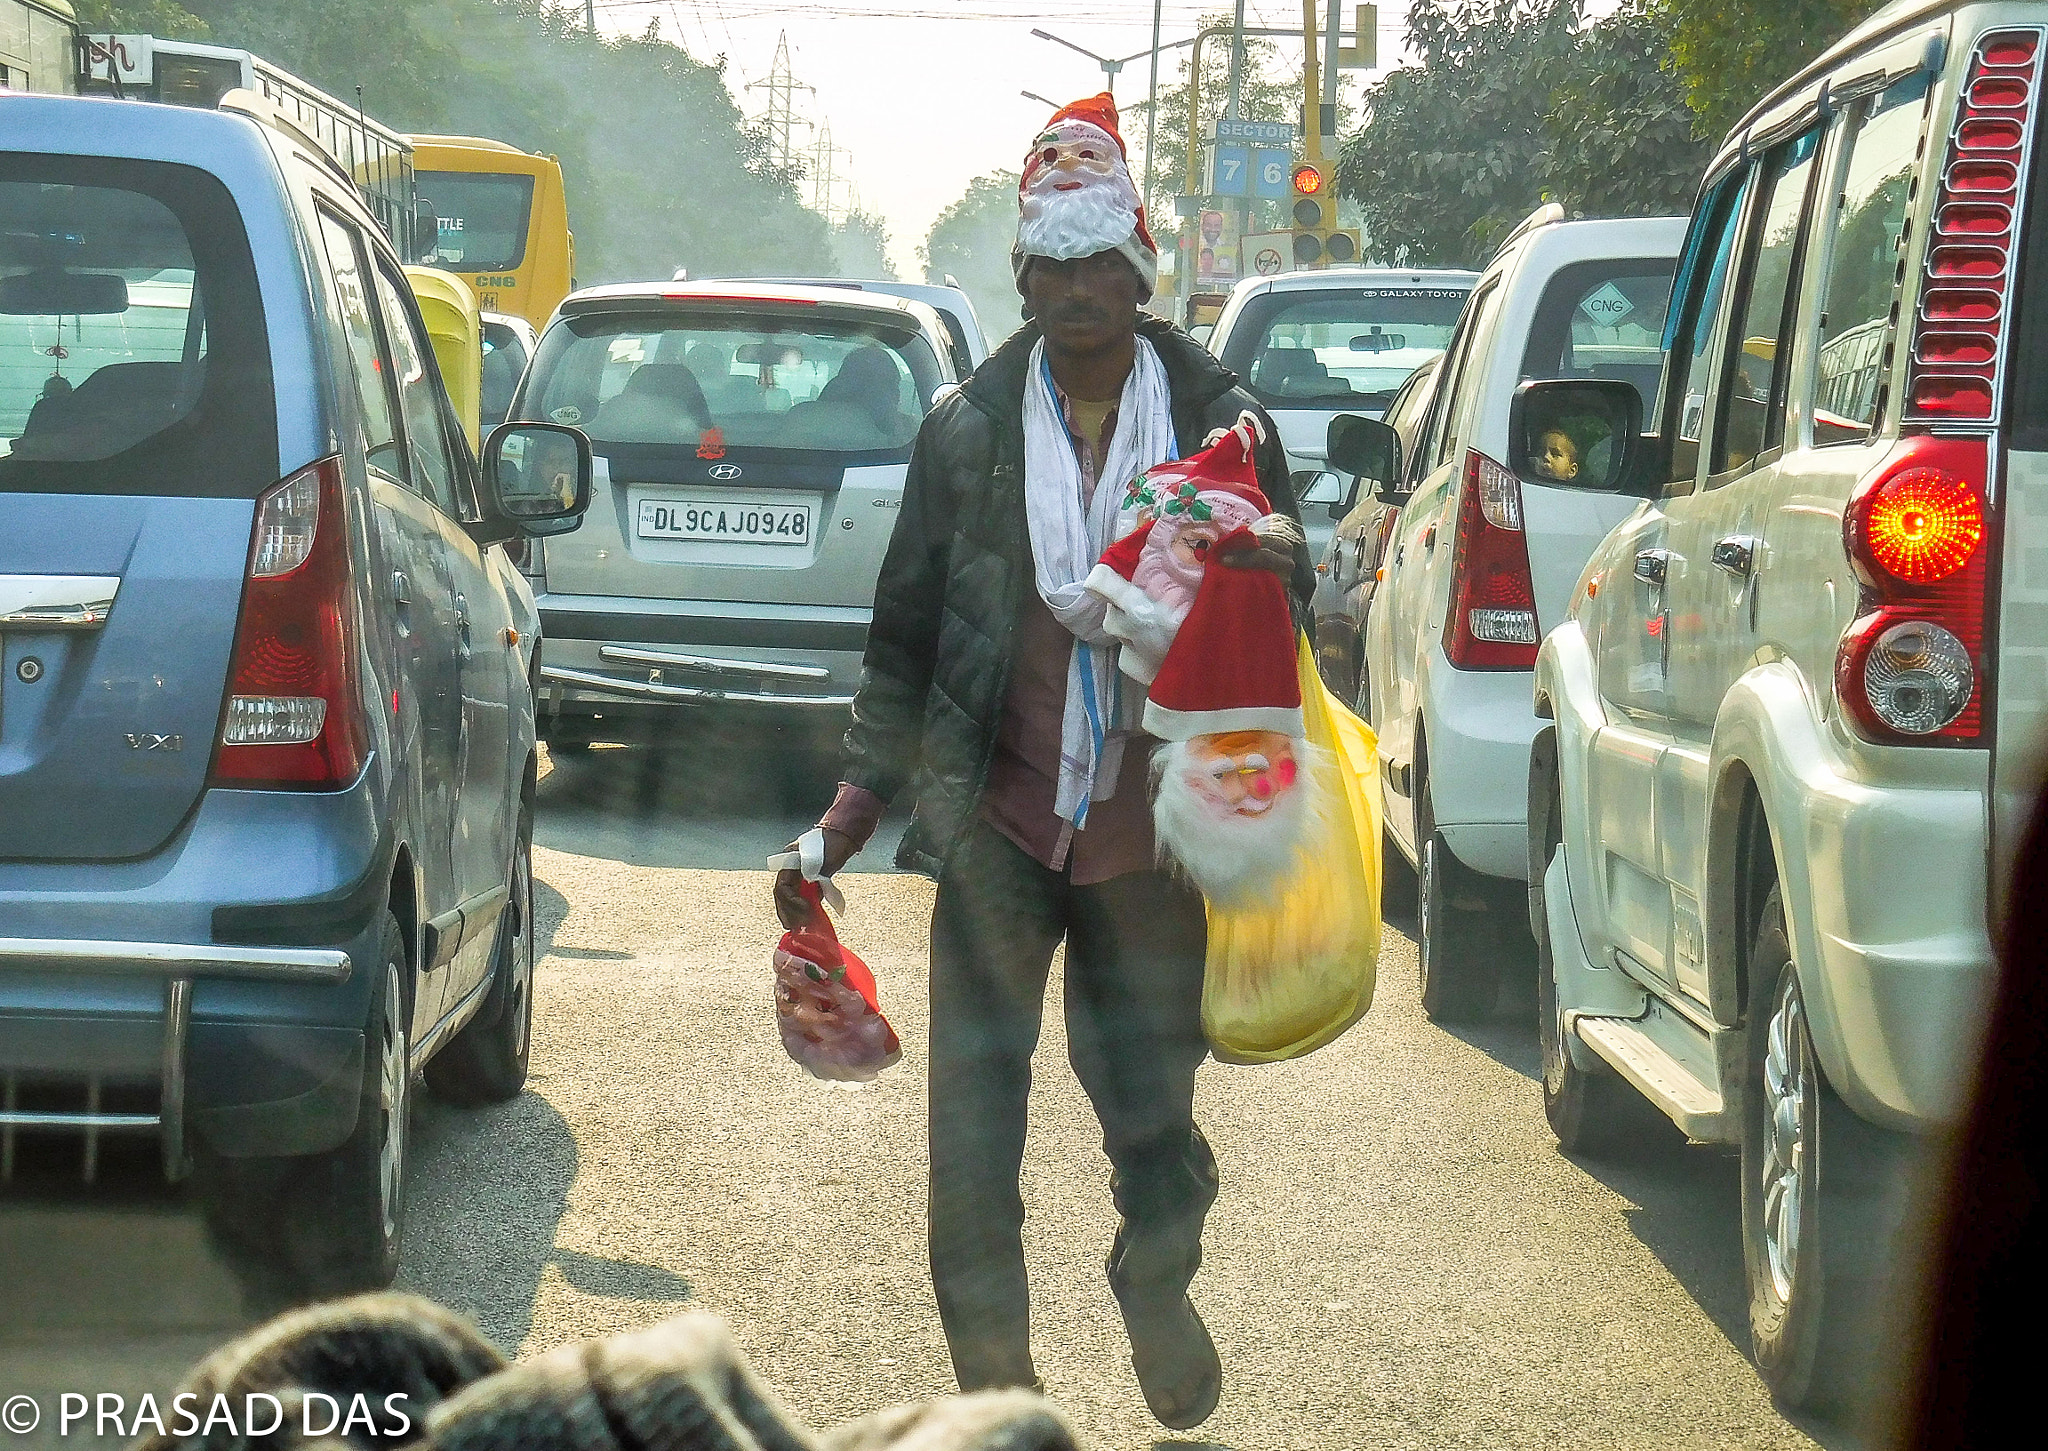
(924,93)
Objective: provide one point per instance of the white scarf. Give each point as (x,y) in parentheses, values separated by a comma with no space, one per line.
(1066,542)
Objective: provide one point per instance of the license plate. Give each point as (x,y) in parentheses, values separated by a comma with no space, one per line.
(726,522)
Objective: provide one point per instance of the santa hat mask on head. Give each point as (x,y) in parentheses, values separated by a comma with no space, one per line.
(1076,197)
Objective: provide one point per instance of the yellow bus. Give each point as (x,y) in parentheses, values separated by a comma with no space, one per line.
(503,222)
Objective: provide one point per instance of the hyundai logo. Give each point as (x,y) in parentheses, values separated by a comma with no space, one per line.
(725,471)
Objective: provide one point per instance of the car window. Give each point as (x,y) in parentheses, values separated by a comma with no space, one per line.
(1450,398)
(1759,348)
(480,218)
(504,361)
(1603,319)
(1406,413)
(372,371)
(720,381)
(1863,266)
(1686,377)
(133,357)
(1348,348)
(419,388)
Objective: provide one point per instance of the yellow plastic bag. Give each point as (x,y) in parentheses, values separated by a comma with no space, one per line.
(1286,979)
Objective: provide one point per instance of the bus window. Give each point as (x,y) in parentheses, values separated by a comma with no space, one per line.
(482,218)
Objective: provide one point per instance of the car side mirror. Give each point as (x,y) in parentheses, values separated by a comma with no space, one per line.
(538,476)
(1367,449)
(1576,433)
(1323,487)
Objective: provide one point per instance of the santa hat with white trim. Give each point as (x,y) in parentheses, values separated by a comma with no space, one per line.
(1232,665)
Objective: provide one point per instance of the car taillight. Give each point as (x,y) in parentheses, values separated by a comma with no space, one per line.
(1492,623)
(293,719)
(1909,669)
(1965,311)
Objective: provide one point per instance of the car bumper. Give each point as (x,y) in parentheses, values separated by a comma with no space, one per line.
(601,653)
(210,991)
(1479,725)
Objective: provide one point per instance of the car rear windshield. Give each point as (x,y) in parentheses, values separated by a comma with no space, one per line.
(812,386)
(1604,319)
(1340,349)
(133,357)
(480,218)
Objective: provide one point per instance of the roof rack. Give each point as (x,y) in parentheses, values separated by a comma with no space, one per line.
(265,112)
(1546,215)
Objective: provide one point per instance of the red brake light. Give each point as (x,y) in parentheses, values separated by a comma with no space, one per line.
(293,720)
(1958,335)
(1492,622)
(1910,668)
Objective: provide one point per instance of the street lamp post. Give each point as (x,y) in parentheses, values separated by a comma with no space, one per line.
(1042,100)
(1109,67)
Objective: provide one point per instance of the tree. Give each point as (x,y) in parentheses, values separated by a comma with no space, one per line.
(971,243)
(1454,151)
(1264,95)
(1515,103)
(670,176)
(139,17)
(1622,142)
(1730,53)
(860,245)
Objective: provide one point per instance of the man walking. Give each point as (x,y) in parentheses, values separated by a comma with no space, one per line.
(991,688)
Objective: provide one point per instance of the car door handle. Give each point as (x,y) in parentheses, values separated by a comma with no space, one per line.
(462,625)
(401,587)
(1652,565)
(1429,537)
(1736,554)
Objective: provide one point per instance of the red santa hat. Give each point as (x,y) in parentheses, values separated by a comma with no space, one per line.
(1076,197)
(1232,665)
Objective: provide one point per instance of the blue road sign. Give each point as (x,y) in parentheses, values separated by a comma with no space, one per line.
(1231,171)
(1267,132)
(1271,179)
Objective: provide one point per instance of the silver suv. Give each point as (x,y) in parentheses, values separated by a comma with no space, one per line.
(751,442)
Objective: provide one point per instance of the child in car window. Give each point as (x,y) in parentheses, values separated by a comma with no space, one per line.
(1557,457)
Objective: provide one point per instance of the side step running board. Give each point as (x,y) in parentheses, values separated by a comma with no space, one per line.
(1664,1078)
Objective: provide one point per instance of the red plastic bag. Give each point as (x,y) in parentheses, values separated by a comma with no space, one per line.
(825,1003)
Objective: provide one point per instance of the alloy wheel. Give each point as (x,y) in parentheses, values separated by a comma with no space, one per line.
(521,908)
(394,1082)
(1788,1089)
(1425,895)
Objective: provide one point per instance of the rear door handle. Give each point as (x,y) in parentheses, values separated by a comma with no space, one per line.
(1652,565)
(401,587)
(1736,554)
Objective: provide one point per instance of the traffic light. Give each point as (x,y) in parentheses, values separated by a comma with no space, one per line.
(1318,240)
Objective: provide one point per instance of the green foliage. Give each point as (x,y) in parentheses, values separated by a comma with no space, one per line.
(971,242)
(1730,53)
(1515,103)
(860,246)
(139,17)
(662,169)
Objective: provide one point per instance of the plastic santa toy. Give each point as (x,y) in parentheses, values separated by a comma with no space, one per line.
(1239,791)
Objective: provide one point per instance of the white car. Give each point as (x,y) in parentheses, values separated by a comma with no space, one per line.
(1480,562)
(1794,711)
(1313,345)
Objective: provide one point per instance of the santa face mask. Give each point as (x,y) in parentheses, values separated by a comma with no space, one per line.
(1236,810)
(1181,545)
(1077,198)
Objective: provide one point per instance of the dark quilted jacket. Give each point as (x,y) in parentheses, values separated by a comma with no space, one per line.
(946,606)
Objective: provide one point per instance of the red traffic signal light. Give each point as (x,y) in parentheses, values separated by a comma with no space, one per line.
(1307,179)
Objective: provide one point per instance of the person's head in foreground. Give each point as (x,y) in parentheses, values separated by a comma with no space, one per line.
(396,1370)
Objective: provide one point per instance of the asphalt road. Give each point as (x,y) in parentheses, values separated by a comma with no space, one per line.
(1400,1256)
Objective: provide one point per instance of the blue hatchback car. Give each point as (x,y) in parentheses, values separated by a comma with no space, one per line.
(266,703)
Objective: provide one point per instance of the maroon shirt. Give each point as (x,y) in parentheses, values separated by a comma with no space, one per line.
(1024,772)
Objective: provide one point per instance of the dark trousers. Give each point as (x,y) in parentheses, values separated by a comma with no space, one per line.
(1135,948)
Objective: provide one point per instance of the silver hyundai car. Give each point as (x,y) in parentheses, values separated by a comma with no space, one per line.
(751,443)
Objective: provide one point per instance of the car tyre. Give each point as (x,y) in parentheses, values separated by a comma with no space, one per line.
(1821,1195)
(486,1062)
(1594,1112)
(1458,942)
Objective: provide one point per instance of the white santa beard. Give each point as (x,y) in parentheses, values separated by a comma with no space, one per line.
(1235,860)
(1102,214)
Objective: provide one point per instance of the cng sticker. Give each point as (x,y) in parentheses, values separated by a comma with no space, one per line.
(1607,306)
